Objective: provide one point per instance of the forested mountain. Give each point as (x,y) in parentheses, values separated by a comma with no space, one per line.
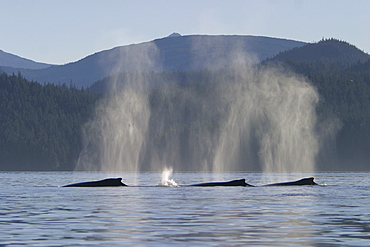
(330,52)
(13,61)
(173,53)
(40,126)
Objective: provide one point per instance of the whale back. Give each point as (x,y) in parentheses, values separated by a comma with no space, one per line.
(100,183)
(239,182)
(303,181)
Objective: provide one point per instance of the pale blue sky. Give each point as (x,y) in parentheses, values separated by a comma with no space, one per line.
(62,31)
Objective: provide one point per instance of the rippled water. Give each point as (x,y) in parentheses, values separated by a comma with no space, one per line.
(36,211)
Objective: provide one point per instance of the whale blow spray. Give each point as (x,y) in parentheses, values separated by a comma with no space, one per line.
(239,118)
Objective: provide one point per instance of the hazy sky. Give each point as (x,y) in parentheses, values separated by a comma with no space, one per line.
(62,31)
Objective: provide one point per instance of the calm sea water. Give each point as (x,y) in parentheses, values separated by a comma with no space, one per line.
(36,211)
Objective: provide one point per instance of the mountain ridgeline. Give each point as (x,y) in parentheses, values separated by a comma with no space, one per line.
(13,61)
(42,125)
(170,54)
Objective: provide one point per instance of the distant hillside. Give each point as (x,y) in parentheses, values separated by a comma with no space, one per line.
(175,53)
(10,60)
(329,52)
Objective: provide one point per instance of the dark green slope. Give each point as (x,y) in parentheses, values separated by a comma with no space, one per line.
(330,52)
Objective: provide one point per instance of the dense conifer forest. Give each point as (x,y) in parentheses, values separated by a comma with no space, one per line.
(40,127)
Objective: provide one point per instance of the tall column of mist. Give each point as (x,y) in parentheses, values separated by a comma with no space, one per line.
(270,124)
(116,136)
(114,139)
(183,127)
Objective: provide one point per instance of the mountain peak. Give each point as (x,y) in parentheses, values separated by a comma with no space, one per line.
(172,35)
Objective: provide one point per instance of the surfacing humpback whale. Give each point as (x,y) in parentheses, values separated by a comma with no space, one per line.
(303,181)
(239,182)
(101,183)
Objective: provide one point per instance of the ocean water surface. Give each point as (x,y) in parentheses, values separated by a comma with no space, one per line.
(36,211)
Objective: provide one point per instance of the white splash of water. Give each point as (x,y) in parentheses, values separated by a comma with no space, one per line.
(166,179)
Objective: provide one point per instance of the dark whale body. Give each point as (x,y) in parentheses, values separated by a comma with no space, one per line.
(303,181)
(100,183)
(239,182)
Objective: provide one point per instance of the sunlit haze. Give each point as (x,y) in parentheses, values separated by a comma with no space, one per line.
(60,32)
